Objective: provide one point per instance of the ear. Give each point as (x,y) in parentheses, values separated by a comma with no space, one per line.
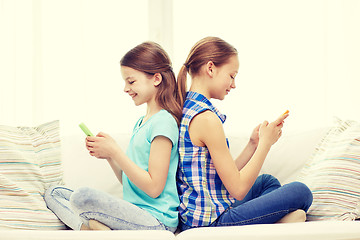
(157,79)
(210,68)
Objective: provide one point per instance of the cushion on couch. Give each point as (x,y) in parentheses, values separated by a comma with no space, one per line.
(333,174)
(30,161)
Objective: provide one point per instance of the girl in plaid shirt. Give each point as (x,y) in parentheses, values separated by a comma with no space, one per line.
(214,189)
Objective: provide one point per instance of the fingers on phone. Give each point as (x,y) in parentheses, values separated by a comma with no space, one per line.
(280,124)
(280,120)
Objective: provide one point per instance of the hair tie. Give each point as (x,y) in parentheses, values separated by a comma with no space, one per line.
(187,66)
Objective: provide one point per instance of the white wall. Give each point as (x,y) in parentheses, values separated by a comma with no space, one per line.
(298,55)
(60,59)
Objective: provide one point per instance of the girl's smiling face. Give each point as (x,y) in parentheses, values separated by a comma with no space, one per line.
(139,85)
(224,78)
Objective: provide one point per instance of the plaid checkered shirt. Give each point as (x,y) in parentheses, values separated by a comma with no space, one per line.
(203,196)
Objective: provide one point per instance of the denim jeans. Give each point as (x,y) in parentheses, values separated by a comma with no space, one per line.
(266,202)
(75,208)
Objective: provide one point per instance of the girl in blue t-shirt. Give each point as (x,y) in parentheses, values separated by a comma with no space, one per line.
(148,169)
(216,190)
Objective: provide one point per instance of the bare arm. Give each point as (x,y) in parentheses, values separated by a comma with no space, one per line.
(238,183)
(249,149)
(245,155)
(153,181)
(117,170)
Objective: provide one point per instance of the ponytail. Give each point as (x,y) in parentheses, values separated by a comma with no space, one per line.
(166,96)
(181,85)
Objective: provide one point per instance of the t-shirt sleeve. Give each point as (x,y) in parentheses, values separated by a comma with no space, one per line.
(165,126)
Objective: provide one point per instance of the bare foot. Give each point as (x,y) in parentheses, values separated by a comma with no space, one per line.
(84,227)
(95,225)
(296,216)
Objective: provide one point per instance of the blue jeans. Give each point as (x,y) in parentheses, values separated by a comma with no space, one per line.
(75,208)
(266,202)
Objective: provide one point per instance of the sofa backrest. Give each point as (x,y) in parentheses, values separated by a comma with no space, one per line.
(285,159)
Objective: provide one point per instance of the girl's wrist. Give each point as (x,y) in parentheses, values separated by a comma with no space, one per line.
(252,144)
(264,145)
(116,154)
(110,154)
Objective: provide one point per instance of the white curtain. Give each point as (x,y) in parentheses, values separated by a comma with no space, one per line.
(60,59)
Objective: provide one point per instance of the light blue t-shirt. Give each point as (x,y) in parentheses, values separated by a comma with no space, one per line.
(165,206)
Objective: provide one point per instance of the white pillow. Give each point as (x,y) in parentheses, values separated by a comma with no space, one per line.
(333,174)
(30,162)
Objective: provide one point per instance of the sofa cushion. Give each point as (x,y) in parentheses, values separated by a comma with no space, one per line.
(333,174)
(30,162)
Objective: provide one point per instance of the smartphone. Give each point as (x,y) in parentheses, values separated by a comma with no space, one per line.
(85,129)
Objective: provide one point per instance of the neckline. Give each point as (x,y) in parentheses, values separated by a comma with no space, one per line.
(141,123)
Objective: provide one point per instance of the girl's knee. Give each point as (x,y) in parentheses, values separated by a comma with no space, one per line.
(303,190)
(303,193)
(81,198)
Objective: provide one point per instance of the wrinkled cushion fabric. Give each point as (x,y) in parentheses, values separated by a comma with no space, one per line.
(333,174)
(30,161)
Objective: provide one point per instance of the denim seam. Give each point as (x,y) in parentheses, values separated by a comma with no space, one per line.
(86,214)
(61,188)
(253,219)
(60,203)
(54,198)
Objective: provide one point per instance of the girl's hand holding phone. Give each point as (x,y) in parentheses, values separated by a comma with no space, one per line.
(102,146)
(270,133)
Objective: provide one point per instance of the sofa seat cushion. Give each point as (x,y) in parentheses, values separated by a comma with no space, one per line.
(316,230)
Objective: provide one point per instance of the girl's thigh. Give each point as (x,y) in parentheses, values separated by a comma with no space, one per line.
(116,213)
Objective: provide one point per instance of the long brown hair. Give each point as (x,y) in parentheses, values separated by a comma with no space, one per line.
(150,58)
(207,49)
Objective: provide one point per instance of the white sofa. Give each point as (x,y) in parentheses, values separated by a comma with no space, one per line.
(284,161)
